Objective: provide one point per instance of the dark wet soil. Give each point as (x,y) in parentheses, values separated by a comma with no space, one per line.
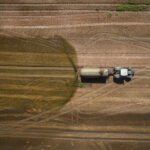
(40,144)
(35,75)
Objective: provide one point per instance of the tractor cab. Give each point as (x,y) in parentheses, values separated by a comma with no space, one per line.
(123,73)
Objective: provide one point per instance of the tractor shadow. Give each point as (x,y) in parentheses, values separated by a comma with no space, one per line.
(121,81)
(94,80)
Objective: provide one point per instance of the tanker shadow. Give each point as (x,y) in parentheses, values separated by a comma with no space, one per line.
(94,80)
(103,80)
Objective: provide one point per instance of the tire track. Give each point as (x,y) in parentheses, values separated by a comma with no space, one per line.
(61,130)
(35,75)
(62,2)
(116,57)
(78,135)
(74,26)
(45,13)
(54,114)
(123,38)
(51,7)
(62,112)
(49,112)
(25,67)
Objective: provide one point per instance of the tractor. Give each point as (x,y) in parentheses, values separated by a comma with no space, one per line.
(120,74)
(123,73)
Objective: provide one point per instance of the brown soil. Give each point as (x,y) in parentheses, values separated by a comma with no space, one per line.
(99,116)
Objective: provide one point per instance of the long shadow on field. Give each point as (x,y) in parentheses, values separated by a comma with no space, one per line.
(94,80)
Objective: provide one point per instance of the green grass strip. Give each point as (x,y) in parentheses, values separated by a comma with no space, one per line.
(132,2)
(131,8)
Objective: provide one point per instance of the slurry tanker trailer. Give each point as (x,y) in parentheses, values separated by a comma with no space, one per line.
(117,73)
(91,73)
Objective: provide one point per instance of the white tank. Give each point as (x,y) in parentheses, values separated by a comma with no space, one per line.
(94,72)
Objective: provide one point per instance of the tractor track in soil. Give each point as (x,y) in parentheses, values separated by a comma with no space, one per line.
(53,13)
(51,7)
(128,136)
(46,116)
(74,26)
(91,97)
(94,93)
(61,1)
(20,7)
(47,112)
(57,68)
(90,100)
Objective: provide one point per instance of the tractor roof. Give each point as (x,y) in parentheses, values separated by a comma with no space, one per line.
(124,72)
